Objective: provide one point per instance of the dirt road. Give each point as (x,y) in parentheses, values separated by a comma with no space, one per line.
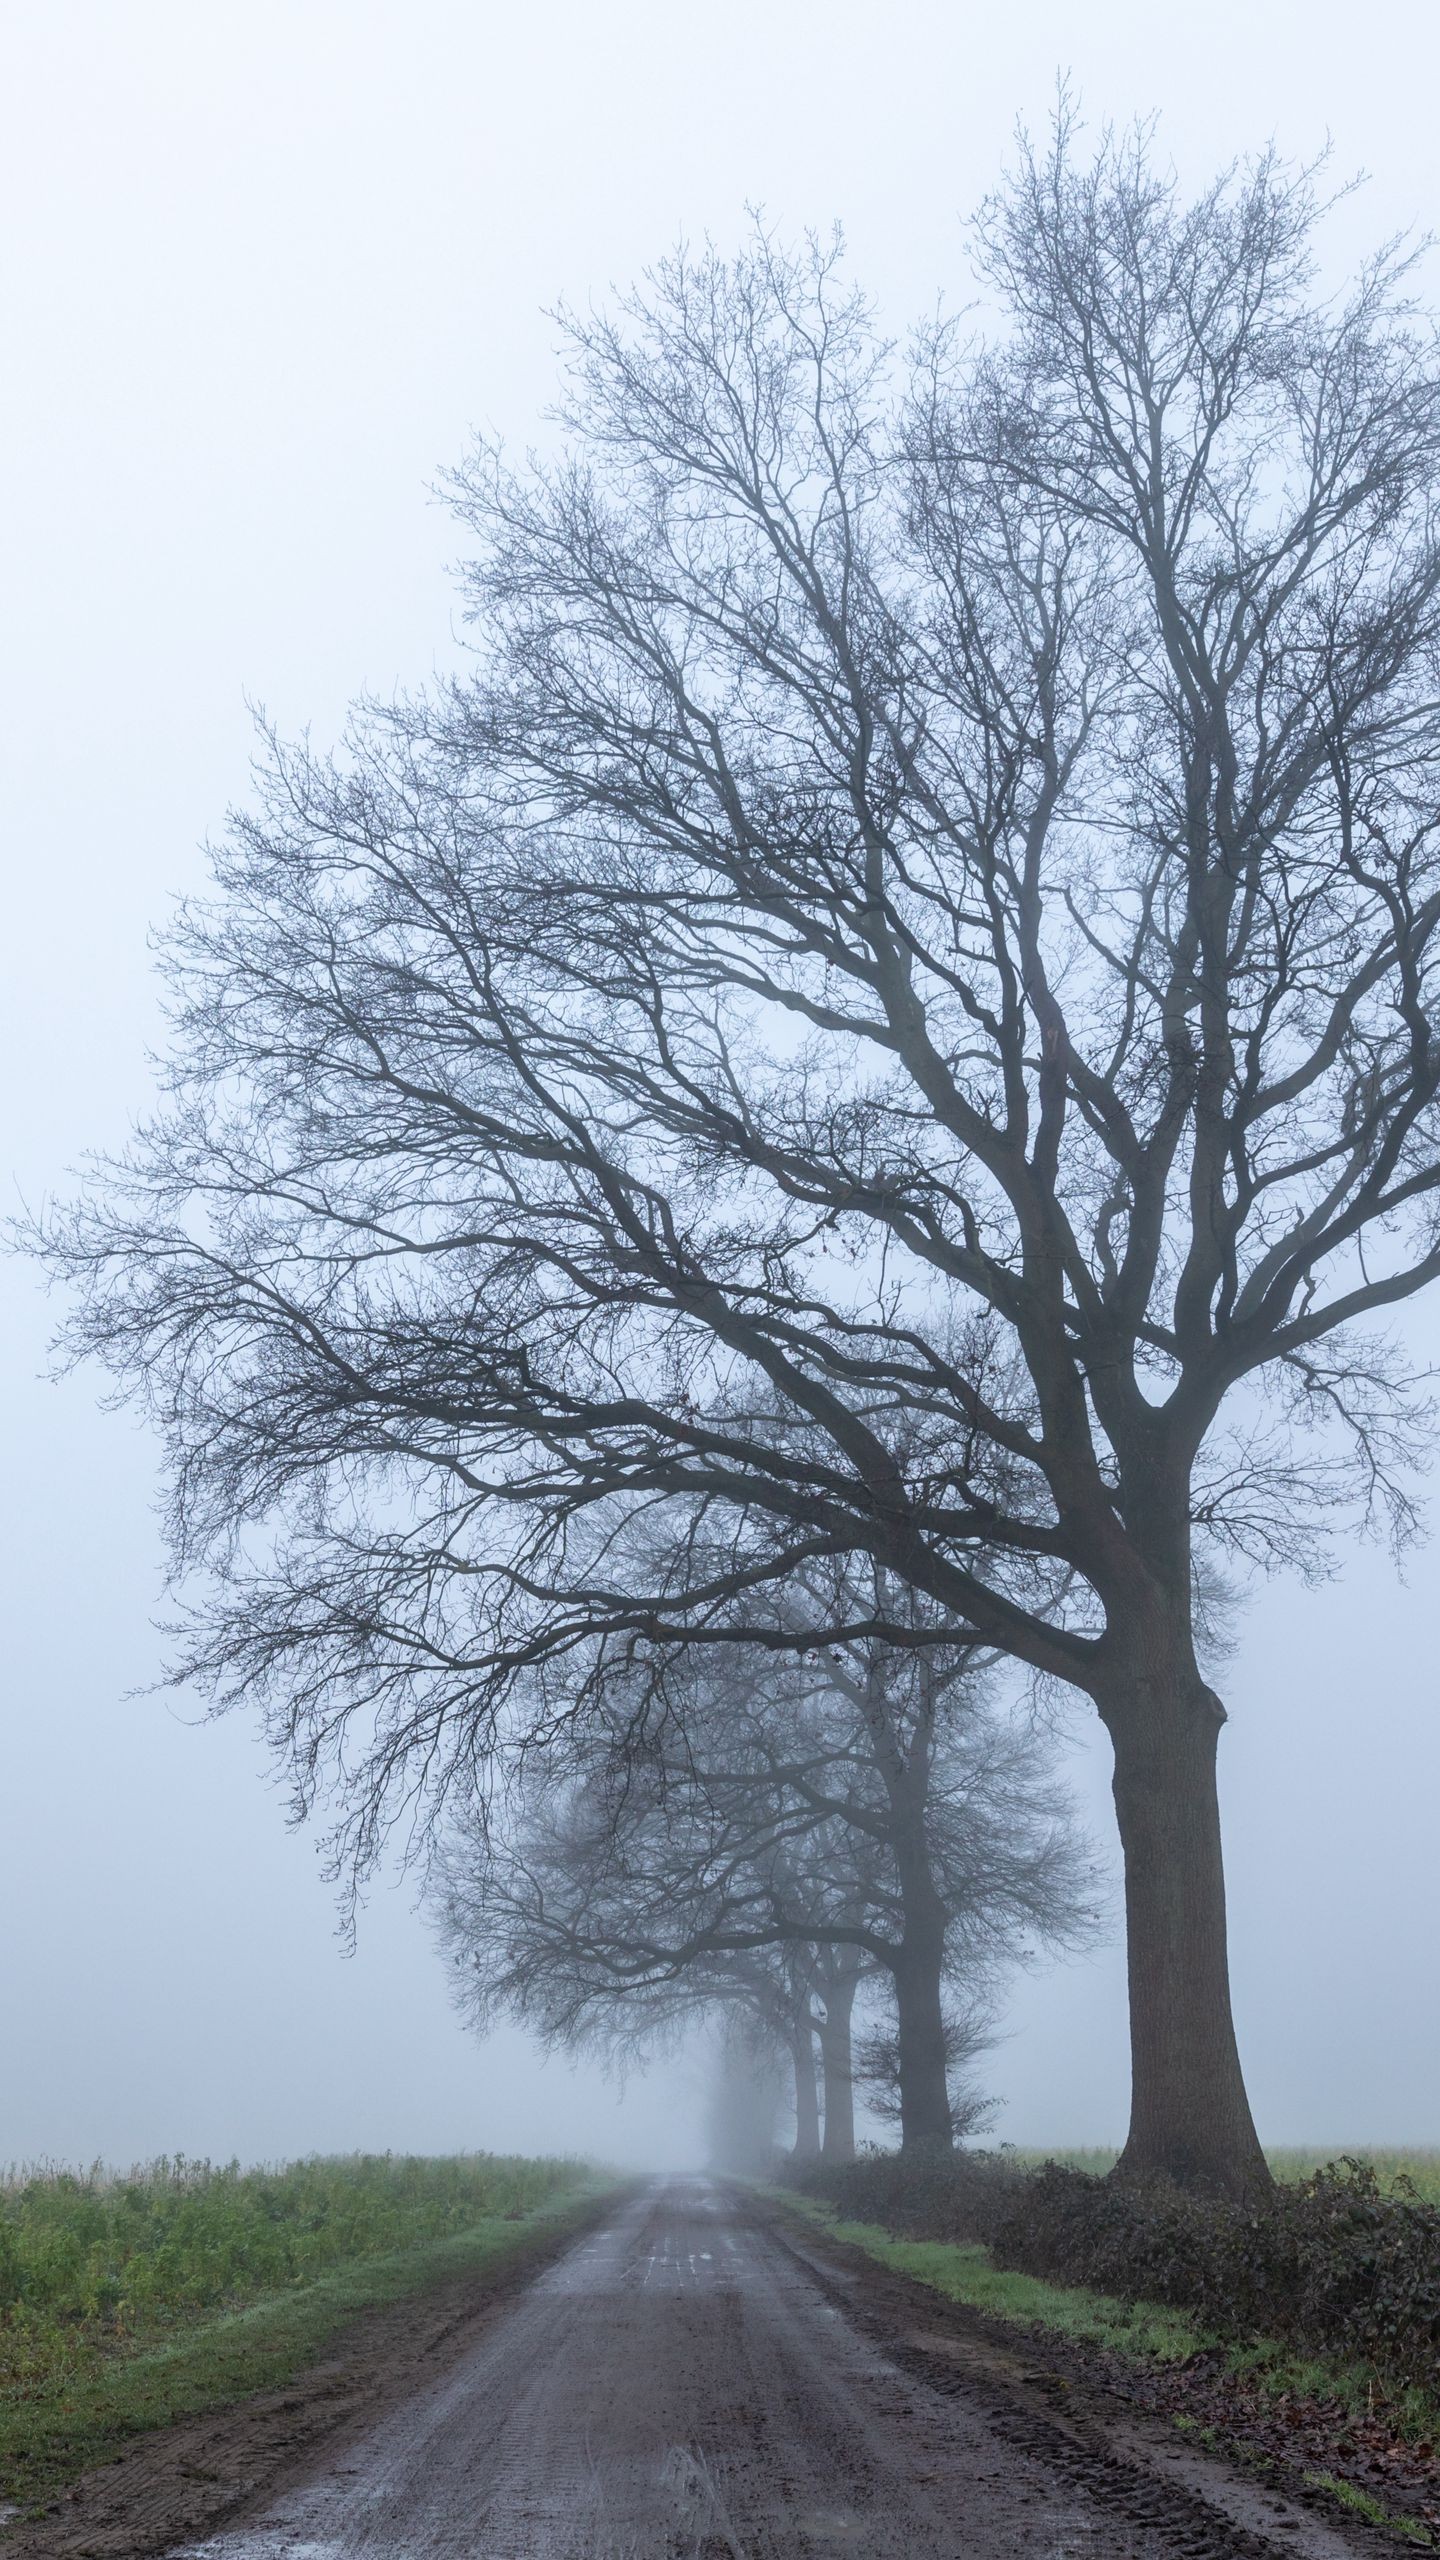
(692,2381)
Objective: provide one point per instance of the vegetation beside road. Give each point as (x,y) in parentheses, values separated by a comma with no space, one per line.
(1301,2331)
(966,2272)
(129,2302)
(1417,2167)
(1340,2261)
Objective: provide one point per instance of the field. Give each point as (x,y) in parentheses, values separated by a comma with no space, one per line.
(126,2301)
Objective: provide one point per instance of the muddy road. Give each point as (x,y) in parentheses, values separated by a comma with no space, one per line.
(695,2379)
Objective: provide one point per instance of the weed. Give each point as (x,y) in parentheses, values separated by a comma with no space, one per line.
(131,2302)
(1360,2503)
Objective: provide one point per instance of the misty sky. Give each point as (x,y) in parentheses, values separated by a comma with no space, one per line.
(267,262)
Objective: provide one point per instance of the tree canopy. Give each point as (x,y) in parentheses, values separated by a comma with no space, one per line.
(886,1020)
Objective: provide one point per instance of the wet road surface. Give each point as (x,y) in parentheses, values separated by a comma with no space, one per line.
(682,2385)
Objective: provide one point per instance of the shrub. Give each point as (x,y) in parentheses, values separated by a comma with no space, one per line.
(924,2195)
(1332,2264)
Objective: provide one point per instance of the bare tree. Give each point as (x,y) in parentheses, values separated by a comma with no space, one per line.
(509,1908)
(607,1927)
(970,2030)
(744,2096)
(891,1017)
(867,1810)
(800,1997)
(837,1974)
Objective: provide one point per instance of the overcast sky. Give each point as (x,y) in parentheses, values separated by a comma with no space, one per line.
(267,263)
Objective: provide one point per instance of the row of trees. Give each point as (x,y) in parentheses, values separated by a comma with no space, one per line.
(774,1837)
(858,1082)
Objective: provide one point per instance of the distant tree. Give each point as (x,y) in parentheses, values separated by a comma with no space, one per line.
(776,1993)
(864,1811)
(969,2030)
(599,1927)
(891,1017)
(836,1976)
(744,2096)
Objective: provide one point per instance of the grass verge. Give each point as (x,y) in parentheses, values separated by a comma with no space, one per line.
(1361,2503)
(52,2431)
(964,2273)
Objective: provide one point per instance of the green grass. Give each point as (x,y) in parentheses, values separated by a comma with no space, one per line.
(1360,2503)
(965,2274)
(81,2249)
(129,2303)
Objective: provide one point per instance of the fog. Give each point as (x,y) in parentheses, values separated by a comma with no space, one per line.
(266,267)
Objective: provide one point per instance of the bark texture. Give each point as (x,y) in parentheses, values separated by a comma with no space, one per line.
(920,2022)
(1190,2118)
(807,2096)
(838,2065)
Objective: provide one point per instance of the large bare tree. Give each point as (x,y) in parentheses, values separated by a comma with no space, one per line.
(889,1016)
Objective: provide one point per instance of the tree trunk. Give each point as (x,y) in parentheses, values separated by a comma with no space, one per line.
(835,2055)
(807,2096)
(924,2083)
(1190,2117)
